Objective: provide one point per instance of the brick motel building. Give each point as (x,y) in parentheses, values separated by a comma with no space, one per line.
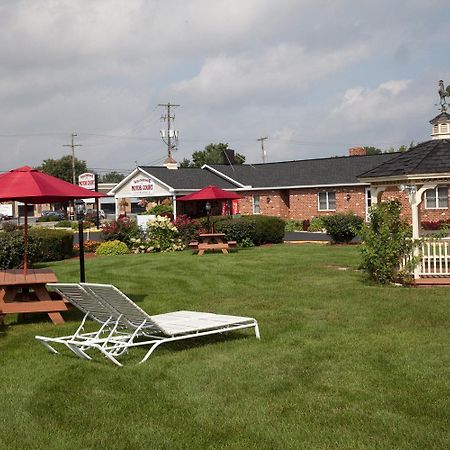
(306,188)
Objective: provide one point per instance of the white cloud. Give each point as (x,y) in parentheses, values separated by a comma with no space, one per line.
(289,68)
(239,69)
(362,105)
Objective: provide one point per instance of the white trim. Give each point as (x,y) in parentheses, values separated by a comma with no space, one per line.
(436,191)
(170,188)
(132,175)
(396,178)
(328,201)
(124,181)
(253,204)
(366,201)
(221,174)
(306,186)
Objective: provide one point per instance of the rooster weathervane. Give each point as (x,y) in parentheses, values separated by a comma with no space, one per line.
(443,92)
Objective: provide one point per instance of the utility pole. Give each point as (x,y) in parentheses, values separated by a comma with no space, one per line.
(73,155)
(264,153)
(168,135)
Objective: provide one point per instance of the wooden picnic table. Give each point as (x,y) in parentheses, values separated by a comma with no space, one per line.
(212,241)
(27,293)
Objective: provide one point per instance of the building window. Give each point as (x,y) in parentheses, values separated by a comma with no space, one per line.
(436,198)
(444,128)
(256,201)
(327,201)
(368,203)
(435,128)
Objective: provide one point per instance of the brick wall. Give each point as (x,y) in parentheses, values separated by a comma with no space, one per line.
(425,214)
(301,204)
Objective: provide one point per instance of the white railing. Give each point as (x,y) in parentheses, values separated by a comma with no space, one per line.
(433,256)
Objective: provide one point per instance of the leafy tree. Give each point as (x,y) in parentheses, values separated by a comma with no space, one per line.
(211,154)
(186,163)
(373,150)
(112,177)
(377,151)
(62,168)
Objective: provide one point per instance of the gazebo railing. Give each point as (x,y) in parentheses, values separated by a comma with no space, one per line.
(433,258)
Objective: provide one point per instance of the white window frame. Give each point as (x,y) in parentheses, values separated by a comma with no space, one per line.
(256,204)
(435,198)
(368,198)
(327,201)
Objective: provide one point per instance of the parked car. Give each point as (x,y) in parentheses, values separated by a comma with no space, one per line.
(5,217)
(57,215)
(91,214)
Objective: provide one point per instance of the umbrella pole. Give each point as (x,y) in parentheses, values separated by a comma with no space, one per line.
(25,238)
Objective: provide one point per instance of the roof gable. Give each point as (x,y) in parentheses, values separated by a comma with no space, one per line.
(429,157)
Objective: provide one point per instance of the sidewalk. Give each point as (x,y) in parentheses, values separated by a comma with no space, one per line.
(309,236)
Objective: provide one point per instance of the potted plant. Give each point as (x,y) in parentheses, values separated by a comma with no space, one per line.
(144,216)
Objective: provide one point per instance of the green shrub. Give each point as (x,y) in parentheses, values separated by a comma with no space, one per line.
(12,250)
(64,224)
(54,245)
(86,224)
(46,219)
(268,229)
(43,245)
(387,240)
(342,227)
(316,224)
(239,230)
(112,248)
(257,229)
(161,209)
(11,226)
(293,225)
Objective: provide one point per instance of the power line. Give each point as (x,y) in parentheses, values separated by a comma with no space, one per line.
(171,134)
(264,154)
(73,155)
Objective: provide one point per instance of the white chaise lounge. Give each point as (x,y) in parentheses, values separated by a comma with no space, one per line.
(125,325)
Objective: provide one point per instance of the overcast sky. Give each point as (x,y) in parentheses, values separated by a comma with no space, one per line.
(316,77)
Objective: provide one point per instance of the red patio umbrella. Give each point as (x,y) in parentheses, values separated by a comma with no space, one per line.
(31,186)
(209,193)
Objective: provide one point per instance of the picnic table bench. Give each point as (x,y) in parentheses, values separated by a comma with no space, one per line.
(27,293)
(212,241)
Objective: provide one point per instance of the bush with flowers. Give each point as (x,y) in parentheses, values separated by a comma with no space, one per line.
(188,229)
(161,236)
(89,246)
(123,229)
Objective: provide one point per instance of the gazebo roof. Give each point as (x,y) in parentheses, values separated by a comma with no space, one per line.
(430,157)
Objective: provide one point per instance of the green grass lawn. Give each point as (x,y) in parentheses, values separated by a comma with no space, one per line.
(341,363)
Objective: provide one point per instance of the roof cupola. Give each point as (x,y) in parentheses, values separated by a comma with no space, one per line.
(440,126)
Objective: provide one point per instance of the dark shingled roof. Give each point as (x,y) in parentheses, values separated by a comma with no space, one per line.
(442,117)
(187,178)
(426,158)
(309,172)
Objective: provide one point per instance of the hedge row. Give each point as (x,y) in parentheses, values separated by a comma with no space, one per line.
(252,229)
(43,245)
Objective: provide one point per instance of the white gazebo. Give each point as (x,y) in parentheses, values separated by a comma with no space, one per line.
(423,172)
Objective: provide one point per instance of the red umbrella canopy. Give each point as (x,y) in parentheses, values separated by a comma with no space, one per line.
(209,193)
(29,185)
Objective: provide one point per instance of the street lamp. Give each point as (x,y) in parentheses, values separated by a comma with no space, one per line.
(208,214)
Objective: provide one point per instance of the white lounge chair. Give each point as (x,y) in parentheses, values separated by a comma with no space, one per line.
(108,318)
(154,330)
